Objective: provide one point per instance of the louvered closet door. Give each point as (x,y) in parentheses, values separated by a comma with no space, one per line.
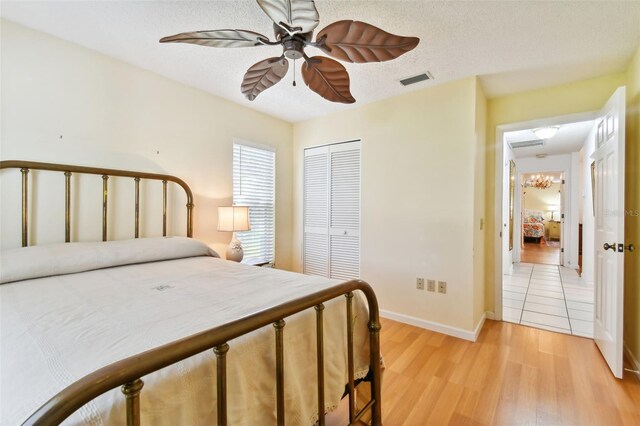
(331,245)
(344,216)
(316,211)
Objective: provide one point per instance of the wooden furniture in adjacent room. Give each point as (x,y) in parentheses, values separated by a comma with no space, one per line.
(580,248)
(554,230)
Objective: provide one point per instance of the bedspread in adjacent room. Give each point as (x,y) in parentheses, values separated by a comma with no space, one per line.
(533,224)
(533,230)
(56,329)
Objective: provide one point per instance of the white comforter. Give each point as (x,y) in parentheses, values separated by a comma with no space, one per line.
(54,330)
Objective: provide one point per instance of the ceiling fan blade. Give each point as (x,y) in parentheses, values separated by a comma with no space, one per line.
(328,78)
(356,41)
(295,16)
(263,75)
(218,38)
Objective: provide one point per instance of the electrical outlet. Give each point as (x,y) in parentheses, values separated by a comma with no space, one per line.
(442,287)
(420,283)
(431,285)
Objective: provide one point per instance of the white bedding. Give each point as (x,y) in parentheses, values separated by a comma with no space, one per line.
(55,330)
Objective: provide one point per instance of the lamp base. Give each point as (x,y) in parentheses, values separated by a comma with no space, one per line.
(234,251)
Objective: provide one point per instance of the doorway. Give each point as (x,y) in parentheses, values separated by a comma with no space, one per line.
(541,214)
(541,286)
(600,171)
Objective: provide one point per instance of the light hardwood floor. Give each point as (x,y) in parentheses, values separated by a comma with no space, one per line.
(513,375)
(540,253)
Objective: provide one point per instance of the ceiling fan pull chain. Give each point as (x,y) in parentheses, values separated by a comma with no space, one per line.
(294,73)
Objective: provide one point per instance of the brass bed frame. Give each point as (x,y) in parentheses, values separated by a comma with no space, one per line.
(127,372)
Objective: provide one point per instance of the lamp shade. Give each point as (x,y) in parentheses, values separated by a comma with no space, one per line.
(553,207)
(232,219)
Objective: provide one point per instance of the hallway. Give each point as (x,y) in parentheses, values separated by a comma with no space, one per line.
(550,297)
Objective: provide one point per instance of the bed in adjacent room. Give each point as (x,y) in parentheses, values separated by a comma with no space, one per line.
(533,225)
(213,341)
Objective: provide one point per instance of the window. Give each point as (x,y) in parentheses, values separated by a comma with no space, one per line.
(254,185)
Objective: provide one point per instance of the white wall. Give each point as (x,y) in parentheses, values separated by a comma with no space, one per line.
(509,255)
(576,202)
(588,224)
(67,104)
(418,169)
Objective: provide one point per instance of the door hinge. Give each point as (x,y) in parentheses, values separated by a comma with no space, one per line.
(500,234)
(562,250)
(562,216)
(563,181)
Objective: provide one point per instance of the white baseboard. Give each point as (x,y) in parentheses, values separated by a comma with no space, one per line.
(435,326)
(635,364)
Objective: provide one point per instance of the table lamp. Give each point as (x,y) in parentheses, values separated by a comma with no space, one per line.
(553,208)
(234,219)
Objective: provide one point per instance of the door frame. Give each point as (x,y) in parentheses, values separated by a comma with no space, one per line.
(498,182)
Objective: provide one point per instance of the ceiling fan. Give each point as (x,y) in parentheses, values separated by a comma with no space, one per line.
(294,22)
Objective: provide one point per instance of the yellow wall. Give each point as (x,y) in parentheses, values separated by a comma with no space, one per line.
(579,97)
(632,206)
(418,159)
(479,204)
(68,104)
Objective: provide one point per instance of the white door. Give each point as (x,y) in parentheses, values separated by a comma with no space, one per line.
(315,251)
(609,230)
(344,220)
(331,211)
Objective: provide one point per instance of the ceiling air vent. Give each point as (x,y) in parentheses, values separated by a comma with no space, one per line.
(416,78)
(526,144)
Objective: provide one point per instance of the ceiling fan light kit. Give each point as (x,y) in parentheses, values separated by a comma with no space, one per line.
(294,23)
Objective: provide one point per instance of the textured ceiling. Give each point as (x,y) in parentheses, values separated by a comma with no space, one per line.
(513,46)
(569,138)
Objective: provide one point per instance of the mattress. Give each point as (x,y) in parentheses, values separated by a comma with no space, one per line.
(82,307)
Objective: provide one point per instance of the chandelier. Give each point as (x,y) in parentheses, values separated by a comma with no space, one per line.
(539,181)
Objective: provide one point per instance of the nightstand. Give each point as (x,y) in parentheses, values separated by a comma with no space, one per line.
(554,230)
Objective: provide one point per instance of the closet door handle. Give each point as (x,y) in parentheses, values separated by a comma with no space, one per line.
(608,246)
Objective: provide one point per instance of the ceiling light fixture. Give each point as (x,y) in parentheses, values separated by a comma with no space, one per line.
(546,132)
(539,181)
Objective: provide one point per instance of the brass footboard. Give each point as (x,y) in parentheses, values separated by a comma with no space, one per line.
(128,372)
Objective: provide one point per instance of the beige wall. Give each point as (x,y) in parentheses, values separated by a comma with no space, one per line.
(540,199)
(579,97)
(419,155)
(64,103)
(632,206)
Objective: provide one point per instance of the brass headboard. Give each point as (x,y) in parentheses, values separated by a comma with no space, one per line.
(68,170)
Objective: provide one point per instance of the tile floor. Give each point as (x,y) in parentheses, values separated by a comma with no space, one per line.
(550,297)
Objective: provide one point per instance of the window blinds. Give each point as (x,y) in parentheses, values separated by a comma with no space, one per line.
(254,186)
